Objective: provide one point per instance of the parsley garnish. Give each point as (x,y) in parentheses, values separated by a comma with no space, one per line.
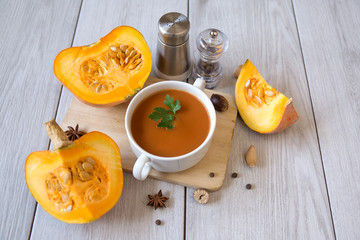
(166,117)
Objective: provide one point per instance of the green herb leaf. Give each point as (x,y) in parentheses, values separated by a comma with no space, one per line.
(166,117)
(169,101)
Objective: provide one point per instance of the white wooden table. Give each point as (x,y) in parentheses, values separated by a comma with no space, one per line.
(306,185)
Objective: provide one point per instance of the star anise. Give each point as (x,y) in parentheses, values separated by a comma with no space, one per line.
(74,134)
(157,200)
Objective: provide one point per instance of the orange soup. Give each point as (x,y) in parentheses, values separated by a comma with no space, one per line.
(191,126)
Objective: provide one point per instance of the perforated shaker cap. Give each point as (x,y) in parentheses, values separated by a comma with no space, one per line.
(174,28)
(212,43)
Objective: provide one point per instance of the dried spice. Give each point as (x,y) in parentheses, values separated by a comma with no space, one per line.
(157,200)
(201,196)
(248,186)
(158,222)
(74,134)
(220,103)
(211,174)
(234,175)
(251,156)
(237,72)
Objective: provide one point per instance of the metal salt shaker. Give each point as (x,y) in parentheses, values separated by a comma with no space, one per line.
(211,43)
(173,53)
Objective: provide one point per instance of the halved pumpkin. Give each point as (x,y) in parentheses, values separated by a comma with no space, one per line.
(108,72)
(261,106)
(79,182)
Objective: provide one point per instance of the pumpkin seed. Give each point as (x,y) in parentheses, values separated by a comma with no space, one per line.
(269,93)
(250,94)
(114,49)
(138,55)
(127,60)
(58,185)
(98,88)
(128,51)
(132,54)
(137,62)
(64,197)
(74,172)
(131,67)
(87,166)
(247,84)
(134,64)
(258,100)
(69,208)
(85,176)
(123,48)
(79,167)
(121,57)
(104,87)
(51,186)
(90,160)
(66,176)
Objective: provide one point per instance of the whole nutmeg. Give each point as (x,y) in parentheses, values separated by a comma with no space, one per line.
(220,103)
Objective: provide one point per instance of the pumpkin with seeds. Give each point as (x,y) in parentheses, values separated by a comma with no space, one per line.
(108,72)
(261,106)
(78,181)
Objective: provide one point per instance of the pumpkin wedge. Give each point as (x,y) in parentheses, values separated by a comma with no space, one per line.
(108,72)
(262,107)
(79,181)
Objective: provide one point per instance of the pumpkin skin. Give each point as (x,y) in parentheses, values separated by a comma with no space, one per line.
(89,198)
(262,107)
(95,73)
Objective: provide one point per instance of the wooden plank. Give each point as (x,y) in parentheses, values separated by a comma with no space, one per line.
(111,121)
(130,218)
(332,60)
(289,198)
(32,32)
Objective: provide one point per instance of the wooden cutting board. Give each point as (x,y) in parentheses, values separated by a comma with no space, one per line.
(111,122)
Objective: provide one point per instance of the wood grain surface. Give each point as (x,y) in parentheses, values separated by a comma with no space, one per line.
(288,199)
(32,32)
(330,40)
(306,184)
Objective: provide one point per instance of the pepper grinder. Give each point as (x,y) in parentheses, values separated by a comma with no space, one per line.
(173,53)
(211,43)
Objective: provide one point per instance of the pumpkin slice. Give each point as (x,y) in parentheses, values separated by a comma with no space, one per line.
(108,72)
(262,108)
(80,181)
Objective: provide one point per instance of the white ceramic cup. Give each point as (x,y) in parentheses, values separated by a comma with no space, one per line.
(146,160)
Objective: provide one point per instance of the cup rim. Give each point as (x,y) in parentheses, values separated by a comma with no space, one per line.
(171,82)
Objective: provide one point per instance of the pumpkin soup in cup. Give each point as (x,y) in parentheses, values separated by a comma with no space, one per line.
(170,126)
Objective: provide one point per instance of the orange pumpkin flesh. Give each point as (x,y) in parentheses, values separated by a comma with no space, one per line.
(261,106)
(107,72)
(78,183)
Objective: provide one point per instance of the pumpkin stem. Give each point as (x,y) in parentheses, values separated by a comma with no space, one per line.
(57,135)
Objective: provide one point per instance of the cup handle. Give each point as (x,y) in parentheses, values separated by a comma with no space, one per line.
(141,167)
(200,83)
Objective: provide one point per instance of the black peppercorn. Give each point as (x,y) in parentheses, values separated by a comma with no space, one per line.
(248,186)
(212,174)
(234,175)
(158,222)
